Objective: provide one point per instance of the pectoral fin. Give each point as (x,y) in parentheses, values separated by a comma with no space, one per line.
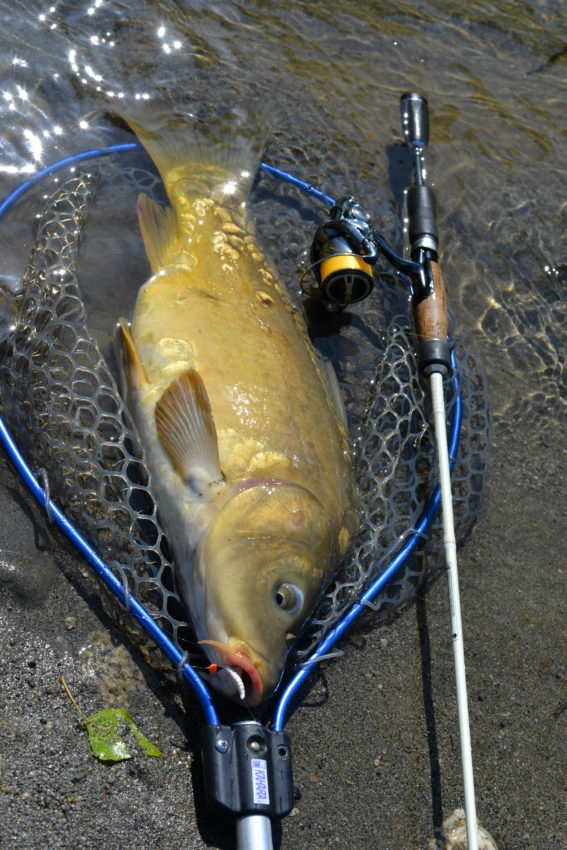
(187,432)
(133,373)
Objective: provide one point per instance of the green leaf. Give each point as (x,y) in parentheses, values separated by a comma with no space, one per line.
(106,743)
(104,729)
(145,745)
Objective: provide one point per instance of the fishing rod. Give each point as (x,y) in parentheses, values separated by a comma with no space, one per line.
(431,325)
(247,765)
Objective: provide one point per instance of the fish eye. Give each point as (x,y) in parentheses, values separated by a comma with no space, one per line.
(289,598)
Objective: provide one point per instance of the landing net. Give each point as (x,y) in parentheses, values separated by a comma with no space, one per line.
(61,402)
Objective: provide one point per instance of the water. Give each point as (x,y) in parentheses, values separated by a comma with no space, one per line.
(495,75)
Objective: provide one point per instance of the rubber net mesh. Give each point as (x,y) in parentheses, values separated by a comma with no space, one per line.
(61,402)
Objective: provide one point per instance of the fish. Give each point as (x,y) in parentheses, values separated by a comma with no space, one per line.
(241,419)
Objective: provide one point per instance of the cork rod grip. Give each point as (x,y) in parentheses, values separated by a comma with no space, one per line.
(430,315)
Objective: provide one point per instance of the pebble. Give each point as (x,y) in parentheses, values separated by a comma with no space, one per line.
(454,835)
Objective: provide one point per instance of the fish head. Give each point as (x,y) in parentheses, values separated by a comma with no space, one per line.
(260,566)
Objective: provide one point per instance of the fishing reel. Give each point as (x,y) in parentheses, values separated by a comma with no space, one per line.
(343,252)
(342,255)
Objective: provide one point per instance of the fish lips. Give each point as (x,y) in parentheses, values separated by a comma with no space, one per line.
(238,677)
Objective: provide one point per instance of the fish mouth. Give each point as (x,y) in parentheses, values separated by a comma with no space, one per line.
(238,677)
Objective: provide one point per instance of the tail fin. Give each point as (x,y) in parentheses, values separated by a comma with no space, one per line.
(210,158)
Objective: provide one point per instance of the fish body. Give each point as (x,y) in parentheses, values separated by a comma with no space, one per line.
(242,425)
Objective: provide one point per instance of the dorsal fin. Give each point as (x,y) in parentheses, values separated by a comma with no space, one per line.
(187,433)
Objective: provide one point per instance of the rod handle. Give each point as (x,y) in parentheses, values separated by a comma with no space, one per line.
(432,326)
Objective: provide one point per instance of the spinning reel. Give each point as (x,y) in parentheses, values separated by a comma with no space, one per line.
(342,254)
(347,245)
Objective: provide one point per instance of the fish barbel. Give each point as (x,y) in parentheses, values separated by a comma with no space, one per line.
(243,427)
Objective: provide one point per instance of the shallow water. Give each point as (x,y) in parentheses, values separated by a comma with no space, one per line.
(495,75)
